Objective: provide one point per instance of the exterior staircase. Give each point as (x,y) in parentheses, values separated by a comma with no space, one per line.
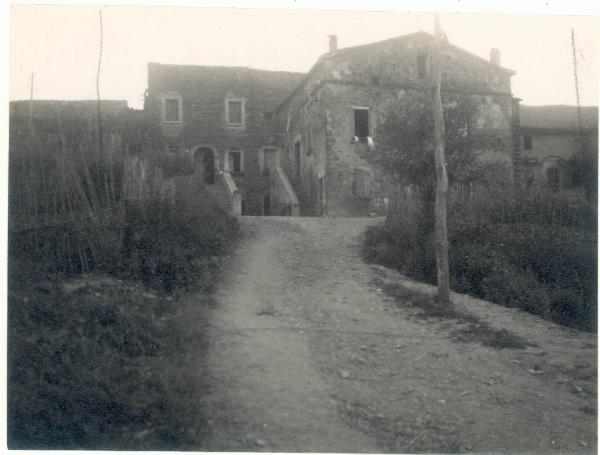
(283,194)
(225,193)
(219,195)
(306,206)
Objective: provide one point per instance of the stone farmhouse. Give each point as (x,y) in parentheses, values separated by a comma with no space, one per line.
(283,143)
(268,142)
(551,137)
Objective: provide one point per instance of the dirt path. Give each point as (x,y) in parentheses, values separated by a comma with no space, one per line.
(311,349)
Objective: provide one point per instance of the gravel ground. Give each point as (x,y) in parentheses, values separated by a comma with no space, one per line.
(311,349)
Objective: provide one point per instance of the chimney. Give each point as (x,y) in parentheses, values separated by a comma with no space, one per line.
(332,43)
(495,56)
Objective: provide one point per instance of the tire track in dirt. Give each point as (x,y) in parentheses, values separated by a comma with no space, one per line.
(267,393)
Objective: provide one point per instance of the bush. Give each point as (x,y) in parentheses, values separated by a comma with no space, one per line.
(100,363)
(546,270)
(177,245)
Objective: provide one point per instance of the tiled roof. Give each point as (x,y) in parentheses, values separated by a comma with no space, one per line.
(558,116)
(269,87)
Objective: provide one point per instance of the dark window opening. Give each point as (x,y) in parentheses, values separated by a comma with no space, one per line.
(375,80)
(297,158)
(422,65)
(235,112)
(235,161)
(527,142)
(268,115)
(171,110)
(361,123)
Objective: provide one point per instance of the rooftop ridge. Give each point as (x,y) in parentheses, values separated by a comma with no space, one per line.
(222,67)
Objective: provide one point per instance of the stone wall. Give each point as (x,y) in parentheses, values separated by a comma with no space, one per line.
(319,114)
(553,148)
(204,92)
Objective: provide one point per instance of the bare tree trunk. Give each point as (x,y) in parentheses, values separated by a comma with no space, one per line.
(441,194)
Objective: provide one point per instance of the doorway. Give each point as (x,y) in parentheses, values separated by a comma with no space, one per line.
(204,159)
(209,167)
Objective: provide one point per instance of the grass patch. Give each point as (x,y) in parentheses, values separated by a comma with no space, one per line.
(102,363)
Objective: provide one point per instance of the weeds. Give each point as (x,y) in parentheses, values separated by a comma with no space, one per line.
(546,270)
(102,365)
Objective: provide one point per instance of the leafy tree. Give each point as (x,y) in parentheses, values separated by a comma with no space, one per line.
(583,166)
(405,141)
(405,149)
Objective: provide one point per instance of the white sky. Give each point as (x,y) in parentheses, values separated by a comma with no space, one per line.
(60,45)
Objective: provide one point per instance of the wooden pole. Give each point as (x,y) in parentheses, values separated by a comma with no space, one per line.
(101,161)
(441,194)
(30,116)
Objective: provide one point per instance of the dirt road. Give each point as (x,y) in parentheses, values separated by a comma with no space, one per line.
(311,349)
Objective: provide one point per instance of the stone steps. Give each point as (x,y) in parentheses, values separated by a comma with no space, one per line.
(219,195)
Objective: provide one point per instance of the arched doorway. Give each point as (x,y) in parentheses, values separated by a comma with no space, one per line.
(209,167)
(204,159)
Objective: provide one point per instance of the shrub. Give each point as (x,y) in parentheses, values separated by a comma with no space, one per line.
(177,245)
(546,270)
(96,362)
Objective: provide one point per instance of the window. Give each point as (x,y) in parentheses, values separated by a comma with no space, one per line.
(234,113)
(375,80)
(361,183)
(422,69)
(235,161)
(527,142)
(361,123)
(171,110)
(268,115)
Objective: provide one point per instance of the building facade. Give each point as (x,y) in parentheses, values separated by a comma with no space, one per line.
(551,138)
(223,118)
(327,125)
(284,143)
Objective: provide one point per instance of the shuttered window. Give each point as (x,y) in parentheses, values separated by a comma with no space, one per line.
(361,184)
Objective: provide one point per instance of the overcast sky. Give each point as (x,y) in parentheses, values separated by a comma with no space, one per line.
(60,45)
